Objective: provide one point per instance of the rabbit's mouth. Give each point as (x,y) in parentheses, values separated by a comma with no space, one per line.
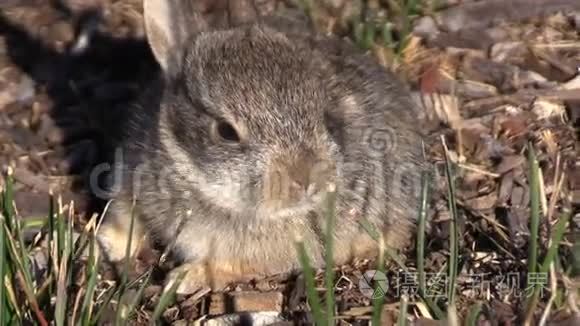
(280,209)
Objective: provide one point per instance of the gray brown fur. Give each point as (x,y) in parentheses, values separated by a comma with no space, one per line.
(307,108)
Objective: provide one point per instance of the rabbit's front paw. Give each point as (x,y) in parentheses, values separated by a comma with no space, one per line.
(114,240)
(191,278)
(199,276)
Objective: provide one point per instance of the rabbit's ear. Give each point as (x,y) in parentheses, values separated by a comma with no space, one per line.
(168,24)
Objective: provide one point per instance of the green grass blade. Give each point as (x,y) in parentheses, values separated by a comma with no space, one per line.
(421,233)
(406,22)
(453,232)
(8,201)
(372,232)
(387,36)
(60,232)
(439,314)
(138,296)
(22,251)
(556,238)
(26,286)
(378,302)
(307,6)
(61,295)
(34,222)
(473,314)
(80,245)
(310,284)
(64,277)
(575,251)
(167,298)
(92,271)
(422,220)
(113,292)
(15,226)
(369,35)
(329,243)
(3,263)
(534,182)
(105,303)
(51,250)
(402,321)
(551,257)
(358,33)
(11,308)
(6,217)
(70,245)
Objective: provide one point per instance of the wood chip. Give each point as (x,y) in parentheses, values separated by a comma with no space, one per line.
(573,83)
(480,14)
(504,76)
(245,301)
(545,109)
(358,311)
(482,203)
(509,163)
(505,188)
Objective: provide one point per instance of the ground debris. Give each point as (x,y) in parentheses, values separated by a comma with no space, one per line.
(491,77)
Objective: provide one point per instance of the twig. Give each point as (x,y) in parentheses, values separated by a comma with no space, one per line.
(554,197)
(569,71)
(32,301)
(554,289)
(478,170)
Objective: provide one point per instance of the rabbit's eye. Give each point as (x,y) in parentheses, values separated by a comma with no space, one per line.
(226,131)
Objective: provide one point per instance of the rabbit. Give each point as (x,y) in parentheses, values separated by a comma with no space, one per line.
(235,153)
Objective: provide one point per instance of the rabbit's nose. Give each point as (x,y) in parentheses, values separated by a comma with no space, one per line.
(309,176)
(305,188)
(292,178)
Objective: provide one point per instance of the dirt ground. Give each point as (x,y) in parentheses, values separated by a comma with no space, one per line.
(489,87)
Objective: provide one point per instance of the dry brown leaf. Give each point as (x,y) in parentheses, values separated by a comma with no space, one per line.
(442,107)
(545,109)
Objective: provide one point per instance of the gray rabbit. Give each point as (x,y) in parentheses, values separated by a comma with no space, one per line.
(233,152)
